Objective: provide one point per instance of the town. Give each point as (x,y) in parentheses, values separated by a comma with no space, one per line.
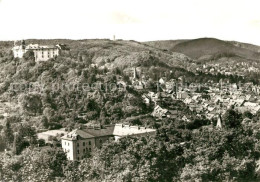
(79,107)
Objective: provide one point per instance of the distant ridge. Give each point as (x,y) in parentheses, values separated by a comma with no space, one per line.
(165,44)
(209,47)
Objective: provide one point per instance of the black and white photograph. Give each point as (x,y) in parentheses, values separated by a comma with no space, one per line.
(129,91)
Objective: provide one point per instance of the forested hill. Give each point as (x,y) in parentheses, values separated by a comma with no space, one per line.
(202,47)
(87,62)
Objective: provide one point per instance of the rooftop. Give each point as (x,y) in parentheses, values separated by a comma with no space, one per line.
(109,130)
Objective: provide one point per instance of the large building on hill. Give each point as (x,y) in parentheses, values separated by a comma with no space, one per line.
(41,53)
(79,142)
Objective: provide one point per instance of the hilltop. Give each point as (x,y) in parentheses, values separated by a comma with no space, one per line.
(207,48)
(166,45)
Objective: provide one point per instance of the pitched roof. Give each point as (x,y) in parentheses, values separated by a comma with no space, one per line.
(75,133)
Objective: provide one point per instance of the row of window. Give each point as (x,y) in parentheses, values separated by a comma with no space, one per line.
(81,158)
(67,144)
(84,150)
(66,150)
(83,144)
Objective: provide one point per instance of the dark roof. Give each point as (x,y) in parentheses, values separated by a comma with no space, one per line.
(108,130)
(63,47)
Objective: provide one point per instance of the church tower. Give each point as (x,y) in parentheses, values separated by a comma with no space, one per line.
(219,122)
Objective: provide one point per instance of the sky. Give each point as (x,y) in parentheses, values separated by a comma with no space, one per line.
(141,20)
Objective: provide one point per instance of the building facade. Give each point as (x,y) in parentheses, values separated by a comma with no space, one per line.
(79,142)
(41,53)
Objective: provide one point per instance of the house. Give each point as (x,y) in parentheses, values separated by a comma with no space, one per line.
(41,53)
(146,99)
(182,95)
(79,142)
(162,80)
(172,114)
(159,112)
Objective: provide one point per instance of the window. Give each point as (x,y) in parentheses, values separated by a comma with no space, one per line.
(78,151)
(100,141)
(78,158)
(83,143)
(68,144)
(77,144)
(65,143)
(84,151)
(89,142)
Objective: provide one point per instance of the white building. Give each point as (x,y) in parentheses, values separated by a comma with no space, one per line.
(81,141)
(41,53)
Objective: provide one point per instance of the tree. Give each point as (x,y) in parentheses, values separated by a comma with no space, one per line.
(34,165)
(8,133)
(29,55)
(232,118)
(32,104)
(19,144)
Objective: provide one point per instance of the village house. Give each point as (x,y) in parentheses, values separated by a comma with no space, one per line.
(79,142)
(159,112)
(182,95)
